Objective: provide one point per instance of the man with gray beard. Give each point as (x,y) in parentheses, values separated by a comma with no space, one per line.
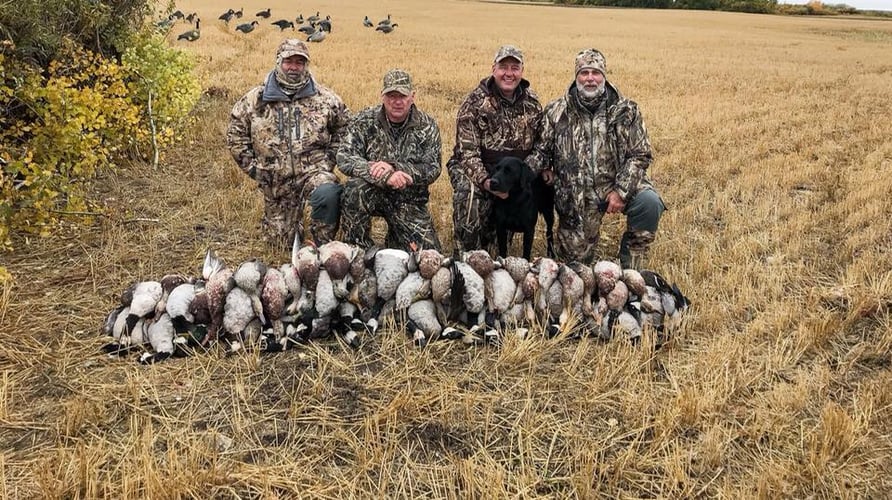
(285,135)
(595,144)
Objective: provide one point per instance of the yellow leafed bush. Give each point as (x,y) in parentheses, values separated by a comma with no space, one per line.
(83,114)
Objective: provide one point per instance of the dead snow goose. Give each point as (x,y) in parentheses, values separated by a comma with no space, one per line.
(306,260)
(238,311)
(391,267)
(273,293)
(249,277)
(607,273)
(161,335)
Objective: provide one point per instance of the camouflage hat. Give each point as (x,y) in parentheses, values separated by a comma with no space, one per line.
(292,47)
(506,51)
(591,59)
(397,80)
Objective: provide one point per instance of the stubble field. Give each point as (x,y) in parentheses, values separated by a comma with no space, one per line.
(773,146)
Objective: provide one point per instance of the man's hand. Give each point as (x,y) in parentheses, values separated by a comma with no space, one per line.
(548,176)
(615,203)
(380,169)
(399,180)
(497,194)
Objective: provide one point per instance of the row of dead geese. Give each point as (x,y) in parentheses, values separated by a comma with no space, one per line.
(342,290)
(316,28)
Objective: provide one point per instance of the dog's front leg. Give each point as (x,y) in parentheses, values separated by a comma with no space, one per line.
(502,237)
(528,235)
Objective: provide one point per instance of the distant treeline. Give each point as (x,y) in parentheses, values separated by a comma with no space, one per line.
(754,6)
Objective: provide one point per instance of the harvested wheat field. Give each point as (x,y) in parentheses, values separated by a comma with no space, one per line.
(773,147)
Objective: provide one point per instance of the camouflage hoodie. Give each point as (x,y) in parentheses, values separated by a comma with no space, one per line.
(413,148)
(292,136)
(490,127)
(592,155)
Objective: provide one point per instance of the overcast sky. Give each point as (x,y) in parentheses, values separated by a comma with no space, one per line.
(858,4)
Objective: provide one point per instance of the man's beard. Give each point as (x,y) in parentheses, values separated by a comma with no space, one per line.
(590,95)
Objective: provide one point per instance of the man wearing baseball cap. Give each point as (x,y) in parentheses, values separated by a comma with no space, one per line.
(391,154)
(595,141)
(500,117)
(285,134)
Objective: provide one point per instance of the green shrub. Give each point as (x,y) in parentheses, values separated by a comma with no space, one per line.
(82,113)
(166,74)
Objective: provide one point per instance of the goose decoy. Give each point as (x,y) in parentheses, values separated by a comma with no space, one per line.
(325,24)
(384,21)
(192,35)
(263,13)
(192,17)
(238,14)
(307,29)
(246,27)
(367,22)
(300,19)
(283,23)
(314,18)
(386,28)
(317,36)
(227,16)
(164,24)
(177,14)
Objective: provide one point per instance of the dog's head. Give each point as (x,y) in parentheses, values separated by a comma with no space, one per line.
(510,174)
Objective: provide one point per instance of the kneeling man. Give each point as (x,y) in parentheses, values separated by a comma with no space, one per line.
(391,154)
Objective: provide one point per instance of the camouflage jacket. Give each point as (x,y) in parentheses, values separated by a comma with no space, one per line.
(292,136)
(489,127)
(414,149)
(590,156)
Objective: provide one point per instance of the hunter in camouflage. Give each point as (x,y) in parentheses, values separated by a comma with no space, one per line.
(391,153)
(595,142)
(285,135)
(501,117)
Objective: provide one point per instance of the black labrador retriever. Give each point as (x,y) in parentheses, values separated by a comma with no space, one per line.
(528,196)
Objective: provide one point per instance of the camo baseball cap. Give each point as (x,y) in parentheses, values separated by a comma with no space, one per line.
(397,80)
(292,47)
(506,51)
(591,59)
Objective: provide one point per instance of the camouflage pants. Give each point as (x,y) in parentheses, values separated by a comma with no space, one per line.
(287,201)
(406,222)
(642,213)
(472,224)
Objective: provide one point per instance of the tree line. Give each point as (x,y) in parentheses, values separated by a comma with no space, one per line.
(814,7)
